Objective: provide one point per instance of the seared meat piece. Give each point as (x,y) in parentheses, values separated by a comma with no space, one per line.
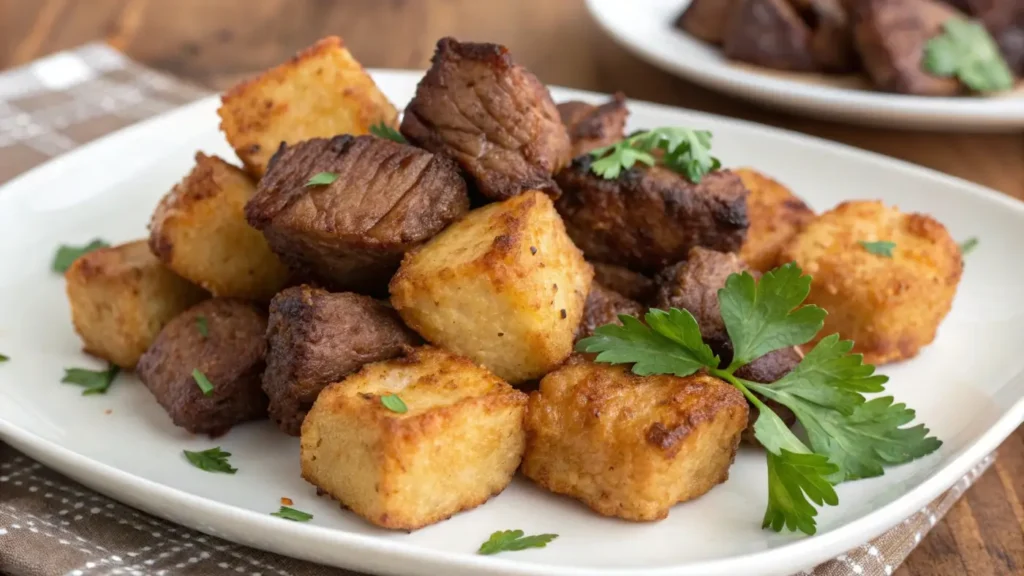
(832,44)
(231,356)
(632,285)
(649,218)
(1005,21)
(767,369)
(351,234)
(798,35)
(706,19)
(316,338)
(490,114)
(603,306)
(891,35)
(591,127)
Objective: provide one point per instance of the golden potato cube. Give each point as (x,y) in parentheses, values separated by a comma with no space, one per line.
(199,231)
(504,286)
(889,306)
(120,299)
(775,214)
(631,446)
(458,444)
(321,92)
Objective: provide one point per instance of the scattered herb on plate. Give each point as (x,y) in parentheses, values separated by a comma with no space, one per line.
(849,436)
(211,460)
(4,358)
(968,246)
(513,540)
(202,381)
(292,514)
(66,255)
(322,179)
(94,381)
(882,248)
(394,403)
(382,130)
(202,327)
(966,50)
(683,150)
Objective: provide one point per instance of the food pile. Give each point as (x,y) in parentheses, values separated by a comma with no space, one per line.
(407,298)
(923,47)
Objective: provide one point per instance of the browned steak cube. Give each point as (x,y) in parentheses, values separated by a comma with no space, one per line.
(1005,21)
(632,285)
(350,234)
(223,339)
(649,218)
(706,19)
(317,338)
(603,306)
(490,114)
(591,126)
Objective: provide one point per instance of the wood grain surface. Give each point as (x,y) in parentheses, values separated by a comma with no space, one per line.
(218,42)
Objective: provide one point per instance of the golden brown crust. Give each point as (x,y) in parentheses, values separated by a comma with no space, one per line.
(889,307)
(776,215)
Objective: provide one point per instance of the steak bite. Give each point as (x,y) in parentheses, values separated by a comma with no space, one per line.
(650,218)
(1004,19)
(603,306)
(223,339)
(632,285)
(492,116)
(591,127)
(350,234)
(316,337)
(706,19)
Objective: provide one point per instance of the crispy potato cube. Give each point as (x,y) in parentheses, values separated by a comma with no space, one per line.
(321,92)
(120,299)
(775,214)
(504,286)
(889,307)
(458,444)
(631,446)
(199,231)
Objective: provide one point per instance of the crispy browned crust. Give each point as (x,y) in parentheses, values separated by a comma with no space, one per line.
(604,307)
(632,285)
(706,19)
(776,215)
(495,118)
(591,126)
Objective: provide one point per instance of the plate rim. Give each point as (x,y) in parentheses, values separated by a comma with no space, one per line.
(795,555)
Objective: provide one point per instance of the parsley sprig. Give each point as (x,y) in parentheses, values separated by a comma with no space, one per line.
(382,130)
(211,460)
(292,514)
(94,381)
(66,255)
(966,50)
(514,540)
(682,150)
(848,436)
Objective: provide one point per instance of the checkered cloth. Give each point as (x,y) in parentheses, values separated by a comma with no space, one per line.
(52,525)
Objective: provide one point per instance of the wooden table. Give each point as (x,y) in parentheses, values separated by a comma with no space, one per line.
(218,42)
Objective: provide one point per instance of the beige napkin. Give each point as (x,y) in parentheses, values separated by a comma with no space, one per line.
(52,525)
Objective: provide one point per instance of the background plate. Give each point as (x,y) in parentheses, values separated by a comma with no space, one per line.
(645,28)
(967,386)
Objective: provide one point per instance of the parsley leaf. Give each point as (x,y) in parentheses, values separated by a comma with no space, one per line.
(882,248)
(968,246)
(670,343)
(292,514)
(967,51)
(792,478)
(382,130)
(322,179)
(763,316)
(683,150)
(394,403)
(212,460)
(94,381)
(514,540)
(4,358)
(202,381)
(202,327)
(66,255)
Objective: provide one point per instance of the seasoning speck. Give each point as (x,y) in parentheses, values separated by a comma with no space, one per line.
(108,411)
(563,314)
(285,501)
(533,249)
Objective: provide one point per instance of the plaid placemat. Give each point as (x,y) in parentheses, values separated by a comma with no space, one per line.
(52,525)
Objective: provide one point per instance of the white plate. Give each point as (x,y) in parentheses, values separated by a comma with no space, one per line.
(645,27)
(967,386)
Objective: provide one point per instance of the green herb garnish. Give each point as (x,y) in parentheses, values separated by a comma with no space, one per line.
(849,436)
(292,514)
(513,540)
(882,248)
(684,151)
(212,460)
(202,327)
(968,245)
(394,403)
(202,381)
(967,51)
(4,358)
(66,255)
(322,179)
(94,381)
(382,130)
